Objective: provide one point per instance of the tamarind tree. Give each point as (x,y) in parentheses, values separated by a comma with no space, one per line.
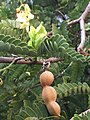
(35,34)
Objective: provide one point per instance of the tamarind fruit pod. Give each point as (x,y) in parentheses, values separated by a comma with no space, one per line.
(49,94)
(53,108)
(46,78)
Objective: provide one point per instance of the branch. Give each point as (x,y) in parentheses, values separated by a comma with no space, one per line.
(13,61)
(83,113)
(82,26)
(23,61)
(84,53)
(73,22)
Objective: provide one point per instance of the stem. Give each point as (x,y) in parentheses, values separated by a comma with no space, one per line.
(17,60)
(82,26)
(46,118)
(61,74)
(73,21)
(83,113)
(13,61)
(86,12)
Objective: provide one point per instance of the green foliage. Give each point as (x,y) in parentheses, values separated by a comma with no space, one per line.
(36,36)
(36,110)
(58,46)
(7,9)
(83,117)
(20,91)
(14,45)
(68,89)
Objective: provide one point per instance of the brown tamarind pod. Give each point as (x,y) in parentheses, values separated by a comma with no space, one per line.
(46,78)
(53,108)
(49,94)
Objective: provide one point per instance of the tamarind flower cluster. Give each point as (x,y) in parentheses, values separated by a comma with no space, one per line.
(49,94)
(24,16)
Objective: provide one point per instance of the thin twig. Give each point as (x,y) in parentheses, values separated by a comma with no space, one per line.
(13,61)
(84,53)
(63,16)
(61,74)
(82,26)
(73,22)
(83,113)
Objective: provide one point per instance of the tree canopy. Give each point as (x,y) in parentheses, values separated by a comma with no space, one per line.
(40,35)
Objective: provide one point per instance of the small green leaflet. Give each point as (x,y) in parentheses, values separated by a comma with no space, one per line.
(36,36)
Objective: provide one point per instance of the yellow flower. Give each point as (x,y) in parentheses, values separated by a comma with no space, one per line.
(30,16)
(27,9)
(20,17)
(25,25)
(24,16)
(19,9)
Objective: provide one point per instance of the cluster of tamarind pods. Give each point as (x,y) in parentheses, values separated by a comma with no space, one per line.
(49,94)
